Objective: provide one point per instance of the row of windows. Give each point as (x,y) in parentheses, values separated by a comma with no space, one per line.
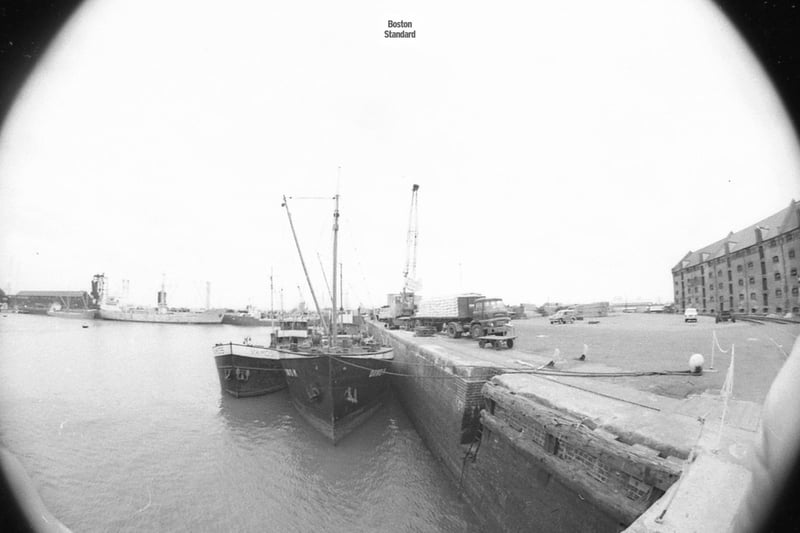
(754,296)
(765,309)
(751,279)
(775,259)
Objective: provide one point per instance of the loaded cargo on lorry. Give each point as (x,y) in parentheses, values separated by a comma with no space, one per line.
(484,319)
(399,310)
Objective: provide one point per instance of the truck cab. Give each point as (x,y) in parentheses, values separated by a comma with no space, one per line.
(490,315)
(491,323)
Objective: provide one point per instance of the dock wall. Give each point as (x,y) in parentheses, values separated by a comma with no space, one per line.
(442,398)
(530,453)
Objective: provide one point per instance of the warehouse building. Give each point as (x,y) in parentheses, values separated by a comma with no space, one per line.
(39,302)
(753,271)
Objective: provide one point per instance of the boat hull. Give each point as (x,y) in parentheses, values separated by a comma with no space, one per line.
(246,370)
(239,320)
(211,316)
(84,314)
(336,393)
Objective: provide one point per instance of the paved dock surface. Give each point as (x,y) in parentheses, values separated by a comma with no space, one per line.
(678,416)
(643,342)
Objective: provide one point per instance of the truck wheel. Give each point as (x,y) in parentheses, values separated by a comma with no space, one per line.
(451,331)
(510,343)
(476,331)
(481,343)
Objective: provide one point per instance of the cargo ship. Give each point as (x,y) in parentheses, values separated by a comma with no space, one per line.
(161,314)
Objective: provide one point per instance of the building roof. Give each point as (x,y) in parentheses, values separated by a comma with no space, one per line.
(784,220)
(54,294)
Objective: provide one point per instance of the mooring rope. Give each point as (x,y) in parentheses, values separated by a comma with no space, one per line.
(716,340)
(516,370)
(689,460)
(778,346)
(726,392)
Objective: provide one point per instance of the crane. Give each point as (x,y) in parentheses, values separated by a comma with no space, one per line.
(410,272)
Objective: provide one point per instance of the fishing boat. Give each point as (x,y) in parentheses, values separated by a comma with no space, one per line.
(246,369)
(335,383)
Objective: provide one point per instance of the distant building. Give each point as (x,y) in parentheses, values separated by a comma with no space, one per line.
(39,302)
(592,310)
(754,270)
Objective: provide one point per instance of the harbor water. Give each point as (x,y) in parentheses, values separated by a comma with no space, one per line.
(123,427)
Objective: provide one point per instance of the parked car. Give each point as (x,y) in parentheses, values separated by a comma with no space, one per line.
(724,316)
(690,315)
(565,316)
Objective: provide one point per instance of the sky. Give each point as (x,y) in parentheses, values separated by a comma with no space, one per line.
(568,153)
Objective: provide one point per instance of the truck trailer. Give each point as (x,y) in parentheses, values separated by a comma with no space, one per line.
(484,319)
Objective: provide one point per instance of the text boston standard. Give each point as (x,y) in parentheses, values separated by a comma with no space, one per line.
(389,34)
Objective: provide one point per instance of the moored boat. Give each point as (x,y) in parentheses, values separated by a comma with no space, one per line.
(335,384)
(251,317)
(247,369)
(336,389)
(84,314)
(161,314)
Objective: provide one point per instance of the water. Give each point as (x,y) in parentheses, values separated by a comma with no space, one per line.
(123,427)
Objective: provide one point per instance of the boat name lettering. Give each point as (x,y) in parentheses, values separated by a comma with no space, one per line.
(351,394)
(376,372)
(291,372)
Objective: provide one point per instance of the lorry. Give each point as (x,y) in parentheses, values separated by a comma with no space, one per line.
(397,312)
(484,319)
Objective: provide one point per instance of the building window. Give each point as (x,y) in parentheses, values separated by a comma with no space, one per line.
(753,296)
(749,264)
(791,253)
(719,272)
(711,298)
(738,268)
(778,293)
(794,291)
(741,283)
(777,276)
(752,280)
(741,296)
(720,285)
(774,258)
(793,272)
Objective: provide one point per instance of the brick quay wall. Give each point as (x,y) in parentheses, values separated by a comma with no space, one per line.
(546,453)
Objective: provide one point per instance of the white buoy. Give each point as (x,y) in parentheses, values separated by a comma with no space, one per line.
(696,363)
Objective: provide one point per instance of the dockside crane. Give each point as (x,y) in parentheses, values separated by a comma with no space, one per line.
(410,284)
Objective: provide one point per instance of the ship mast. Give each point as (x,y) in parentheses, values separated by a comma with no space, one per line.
(272,333)
(334,313)
(302,262)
